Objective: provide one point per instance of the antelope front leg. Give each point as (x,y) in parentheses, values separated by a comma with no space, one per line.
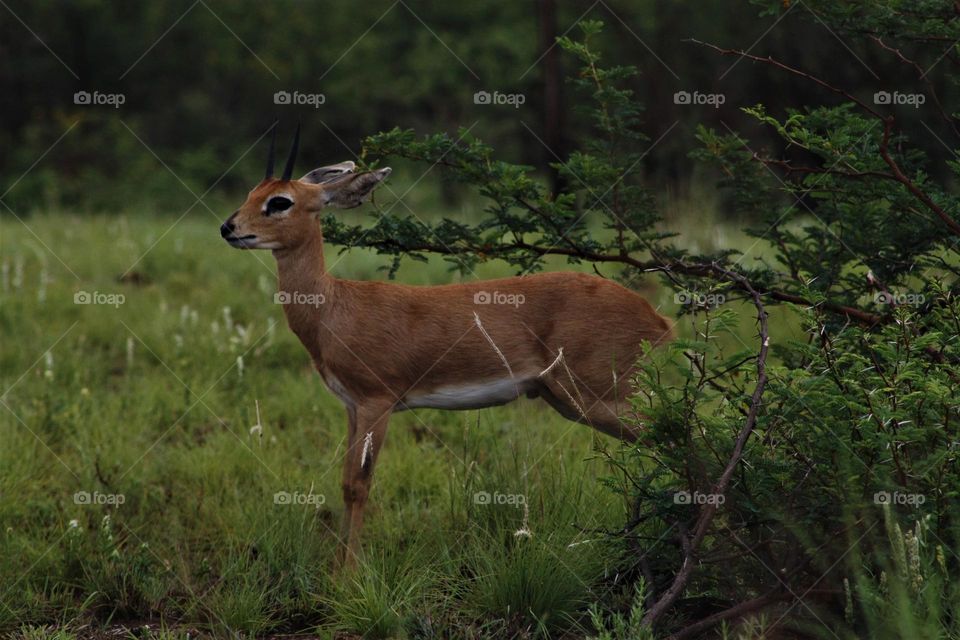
(368,429)
(347,474)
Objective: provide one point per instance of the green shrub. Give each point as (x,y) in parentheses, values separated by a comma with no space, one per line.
(767,456)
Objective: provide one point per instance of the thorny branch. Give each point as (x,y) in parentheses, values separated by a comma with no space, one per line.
(888,121)
(690,543)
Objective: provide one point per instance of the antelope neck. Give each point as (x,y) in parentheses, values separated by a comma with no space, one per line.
(301,269)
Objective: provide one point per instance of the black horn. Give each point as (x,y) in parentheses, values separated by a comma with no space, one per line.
(271,153)
(288,170)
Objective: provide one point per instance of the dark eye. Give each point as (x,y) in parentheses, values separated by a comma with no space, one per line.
(278,203)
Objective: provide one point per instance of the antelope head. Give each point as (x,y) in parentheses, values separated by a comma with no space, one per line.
(280,212)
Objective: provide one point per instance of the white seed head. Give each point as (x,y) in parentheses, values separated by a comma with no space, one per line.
(257,429)
(130,352)
(48,365)
(524,530)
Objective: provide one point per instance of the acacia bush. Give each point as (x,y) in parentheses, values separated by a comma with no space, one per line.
(808,478)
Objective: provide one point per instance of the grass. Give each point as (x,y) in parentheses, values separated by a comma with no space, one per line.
(132,488)
(145,402)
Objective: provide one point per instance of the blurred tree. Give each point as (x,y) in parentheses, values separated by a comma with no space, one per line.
(553,121)
(199,80)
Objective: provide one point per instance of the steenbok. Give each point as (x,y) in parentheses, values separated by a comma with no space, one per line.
(569,338)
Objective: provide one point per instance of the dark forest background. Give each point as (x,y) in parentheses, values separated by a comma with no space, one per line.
(198,80)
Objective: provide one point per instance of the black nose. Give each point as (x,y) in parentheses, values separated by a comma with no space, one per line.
(226,229)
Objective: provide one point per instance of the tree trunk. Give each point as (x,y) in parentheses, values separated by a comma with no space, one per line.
(552,91)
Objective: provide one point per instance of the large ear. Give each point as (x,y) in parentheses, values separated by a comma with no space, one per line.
(351,190)
(322,175)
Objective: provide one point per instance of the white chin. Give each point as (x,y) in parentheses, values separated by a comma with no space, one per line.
(252,243)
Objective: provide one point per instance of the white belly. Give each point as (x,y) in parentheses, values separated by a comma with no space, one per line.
(476,395)
(338,389)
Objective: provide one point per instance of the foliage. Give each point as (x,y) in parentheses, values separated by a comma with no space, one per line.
(857,409)
(623,626)
(855,423)
(607,209)
(914,595)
